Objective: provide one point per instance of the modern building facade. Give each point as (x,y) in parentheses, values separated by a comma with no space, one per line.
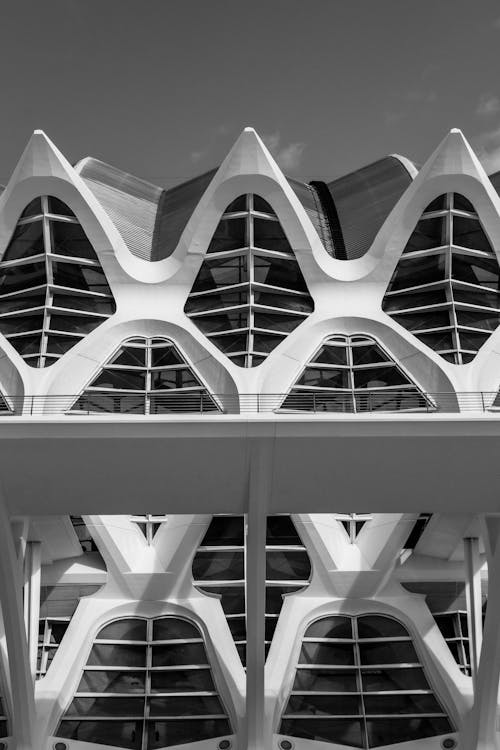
(249,439)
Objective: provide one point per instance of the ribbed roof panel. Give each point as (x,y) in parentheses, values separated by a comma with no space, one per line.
(175,208)
(130,202)
(365,198)
(308,196)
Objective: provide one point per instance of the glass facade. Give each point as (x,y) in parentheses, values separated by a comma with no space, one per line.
(147,684)
(359,682)
(249,293)
(53,290)
(219,567)
(446,287)
(354,374)
(146,376)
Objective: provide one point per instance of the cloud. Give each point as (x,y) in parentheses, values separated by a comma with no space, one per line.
(196,155)
(488,105)
(487,146)
(287,155)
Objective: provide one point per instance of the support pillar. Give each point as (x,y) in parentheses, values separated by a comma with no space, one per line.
(474,602)
(479,730)
(32,581)
(259,493)
(22,702)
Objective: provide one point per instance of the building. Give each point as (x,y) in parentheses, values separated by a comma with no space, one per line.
(249,446)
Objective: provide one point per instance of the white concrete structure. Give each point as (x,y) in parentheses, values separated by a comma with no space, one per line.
(249,435)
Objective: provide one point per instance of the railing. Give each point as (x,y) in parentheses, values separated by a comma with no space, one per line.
(295,402)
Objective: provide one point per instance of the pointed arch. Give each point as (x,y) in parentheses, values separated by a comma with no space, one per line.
(359,682)
(147,683)
(446,287)
(53,290)
(354,373)
(146,376)
(249,293)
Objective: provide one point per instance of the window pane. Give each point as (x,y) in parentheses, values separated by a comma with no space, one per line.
(229,235)
(284,301)
(171,628)
(379,377)
(311,705)
(124,630)
(392,730)
(281,530)
(70,239)
(117,656)
(125,707)
(167,733)
(218,566)
(319,378)
(461,203)
(376,626)
(239,204)
(182,653)
(270,235)
(438,204)
(330,627)
(327,653)
(225,530)
(482,271)
(402,704)
(185,706)
(331,355)
(120,379)
(277,272)
(167,379)
(165,356)
(469,233)
(388,653)
(27,240)
(223,321)
(393,679)
(22,277)
(259,204)
(124,734)
(34,208)
(418,271)
(94,681)
(183,681)
(287,565)
(428,233)
(133,356)
(342,681)
(341,731)
(221,272)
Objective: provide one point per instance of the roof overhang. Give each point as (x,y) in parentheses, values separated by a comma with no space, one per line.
(321,463)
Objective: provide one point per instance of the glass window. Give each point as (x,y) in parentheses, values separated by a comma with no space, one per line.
(148,366)
(255,274)
(120,707)
(220,560)
(442,277)
(41,232)
(360,375)
(357,705)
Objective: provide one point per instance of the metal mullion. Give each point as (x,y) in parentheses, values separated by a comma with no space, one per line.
(147,680)
(449,278)
(350,364)
(357,666)
(47,241)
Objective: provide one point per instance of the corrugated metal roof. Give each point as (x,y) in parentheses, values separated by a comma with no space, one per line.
(131,203)
(347,212)
(174,211)
(365,198)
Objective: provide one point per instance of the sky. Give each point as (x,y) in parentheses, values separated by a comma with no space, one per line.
(162,88)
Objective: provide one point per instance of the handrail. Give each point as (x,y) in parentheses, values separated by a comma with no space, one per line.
(394,401)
